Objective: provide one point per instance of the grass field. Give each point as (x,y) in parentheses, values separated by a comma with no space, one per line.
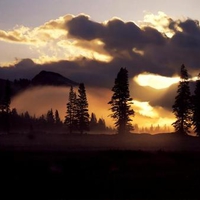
(99,167)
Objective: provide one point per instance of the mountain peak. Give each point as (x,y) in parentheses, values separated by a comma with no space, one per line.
(52,78)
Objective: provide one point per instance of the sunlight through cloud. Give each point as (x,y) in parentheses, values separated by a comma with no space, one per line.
(159,21)
(144,108)
(155,81)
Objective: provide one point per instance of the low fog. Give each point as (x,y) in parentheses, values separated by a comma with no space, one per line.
(38,100)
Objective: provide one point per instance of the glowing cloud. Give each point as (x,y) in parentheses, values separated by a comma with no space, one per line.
(147,115)
(155,81)
(159,21)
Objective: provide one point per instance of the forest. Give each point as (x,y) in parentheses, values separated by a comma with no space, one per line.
(78,120)
(47,158)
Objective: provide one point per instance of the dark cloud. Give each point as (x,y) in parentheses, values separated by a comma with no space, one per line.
(190,27)
(161,54)
(116,34)
(82,27)
(137,49)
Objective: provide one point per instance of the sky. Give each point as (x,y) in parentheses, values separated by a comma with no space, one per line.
(89,41)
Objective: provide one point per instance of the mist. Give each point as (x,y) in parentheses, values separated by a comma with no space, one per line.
(38,100)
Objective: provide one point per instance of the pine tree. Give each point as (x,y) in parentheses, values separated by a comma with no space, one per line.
(57,118)
(93,122)
(82,109)
(101,124)
(182,106)
(71,119)
(120,103)
(50,117)
(196,107)
(7,96)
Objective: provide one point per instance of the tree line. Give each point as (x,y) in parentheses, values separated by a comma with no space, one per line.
(186,107)
(77,119)
(12,121)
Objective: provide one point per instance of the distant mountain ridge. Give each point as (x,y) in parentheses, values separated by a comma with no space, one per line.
(52,79)
(44,78)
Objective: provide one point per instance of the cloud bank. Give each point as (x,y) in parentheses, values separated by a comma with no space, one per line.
(93,52)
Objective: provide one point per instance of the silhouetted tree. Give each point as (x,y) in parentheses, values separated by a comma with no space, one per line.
(82,109)
(136,128)
(50,117)
(14,119)
(120,103)
(101,124)
(182,106)
(57,118)
(42,123)
(157,129)
(196,107)
(5,107)
(151,129)
(93,122)
(7,97)
(71,118)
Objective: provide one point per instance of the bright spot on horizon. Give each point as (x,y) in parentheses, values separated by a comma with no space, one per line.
(144,108)
(155,81)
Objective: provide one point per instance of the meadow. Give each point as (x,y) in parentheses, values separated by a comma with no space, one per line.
(49,166)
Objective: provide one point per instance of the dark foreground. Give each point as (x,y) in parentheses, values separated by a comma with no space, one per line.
(104,174)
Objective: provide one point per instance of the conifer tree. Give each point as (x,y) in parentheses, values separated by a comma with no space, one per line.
(196,107)
(82,109)
(71,114)
(101,124)
(50,117)
(57,118)
(182,108)
(93,122)
(120,103)
(7,96)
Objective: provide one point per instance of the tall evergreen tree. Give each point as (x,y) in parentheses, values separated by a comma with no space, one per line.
(7,96)
(50,117)
(182,108)
(101,124)
(120,103)
(71,115)
(196,107)
(93,121)
(82,109)
(57,118)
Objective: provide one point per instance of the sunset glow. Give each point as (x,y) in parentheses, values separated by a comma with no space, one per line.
(83,45)
(155,81)
(145,109)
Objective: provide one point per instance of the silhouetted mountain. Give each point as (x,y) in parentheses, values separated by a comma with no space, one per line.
(44,78)
(52,78)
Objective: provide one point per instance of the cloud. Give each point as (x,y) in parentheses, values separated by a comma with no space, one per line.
(147,115)
(93,52)
(115,34)
(189,36)
(36,36)
(160,22)
(155,81)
